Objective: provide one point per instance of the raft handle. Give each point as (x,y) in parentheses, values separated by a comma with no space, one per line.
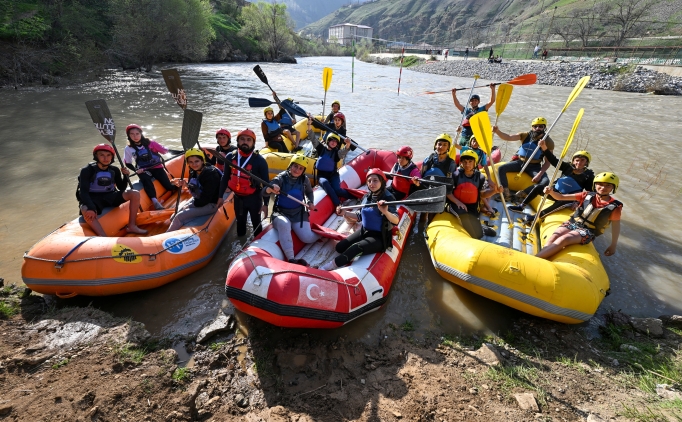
(513,268)
(66,295)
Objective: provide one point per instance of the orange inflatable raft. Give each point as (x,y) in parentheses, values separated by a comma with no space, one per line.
(261,283)
(73,261)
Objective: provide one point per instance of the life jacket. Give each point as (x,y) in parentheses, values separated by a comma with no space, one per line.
(527,148)
(294,189)
(103,181)
(326,161)
(284,119)
(595,219)
(400,183)
(240,183)
(194,186)
(273,127)
(436,168)
(466,188)
(144,157)
(372,218)
(567,185)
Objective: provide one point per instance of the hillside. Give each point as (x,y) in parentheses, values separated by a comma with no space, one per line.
(305,12)
(439,22)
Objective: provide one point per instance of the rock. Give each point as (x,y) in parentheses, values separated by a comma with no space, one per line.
(650,326)
(212,400)
(594,418)
(169,355)
(615,362)
(92,412)
(527,401)
(672,320)
(5,409)
(241,401)
(173,415)
(219,325)
(192,392)
(397,415)
(629,348)
(488,354)
(666,392)
(201,400)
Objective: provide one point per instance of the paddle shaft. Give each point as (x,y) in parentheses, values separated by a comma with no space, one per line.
(497,178)
(403,202)
(321,125)
(544,138)
(527,79)
(433,182)
(261,75)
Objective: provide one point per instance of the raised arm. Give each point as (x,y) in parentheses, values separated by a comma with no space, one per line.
(492,97)
(505,136)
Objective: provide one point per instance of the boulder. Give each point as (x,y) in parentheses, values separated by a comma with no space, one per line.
(527,401)
(649,326)
(488,354)
(672,320)
(221,324)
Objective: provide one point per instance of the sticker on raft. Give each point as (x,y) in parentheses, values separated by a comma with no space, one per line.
(180,246)
(403,225)
(125,254)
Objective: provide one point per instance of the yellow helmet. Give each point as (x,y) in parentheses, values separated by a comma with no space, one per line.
(443,137)
(337,102)
(607,177)
(299,159)
(469,153)
(335,137)
(582,154)
(195,152)
(539,121)
(266,109)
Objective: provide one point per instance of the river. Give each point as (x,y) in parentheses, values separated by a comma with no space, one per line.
(46,136)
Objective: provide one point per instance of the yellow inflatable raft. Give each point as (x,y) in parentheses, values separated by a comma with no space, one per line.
(568,288)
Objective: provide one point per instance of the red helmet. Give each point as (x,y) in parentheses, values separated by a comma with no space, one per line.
(247,132)
(102,147)
(405,151)
(224,132)
(378,172)
(133,126)
(340,116)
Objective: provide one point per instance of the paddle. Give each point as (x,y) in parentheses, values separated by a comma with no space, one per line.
(101,117)
(318,124)
(425,200)
(453,150)
(263,182)
(174,85)
(191,126)
(261,75)
(326,81)
(264,102)
(503,95)
(576,123)
(432,182)
(527,79)
(574,94)
(480,125)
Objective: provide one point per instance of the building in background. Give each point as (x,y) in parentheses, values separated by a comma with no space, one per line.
(344,33)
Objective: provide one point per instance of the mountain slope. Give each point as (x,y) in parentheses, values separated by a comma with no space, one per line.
(304,12)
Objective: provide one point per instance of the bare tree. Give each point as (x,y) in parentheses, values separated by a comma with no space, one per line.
(626,15)
(565,30)
(587,20)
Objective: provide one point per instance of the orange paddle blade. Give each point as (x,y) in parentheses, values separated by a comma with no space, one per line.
(527,79)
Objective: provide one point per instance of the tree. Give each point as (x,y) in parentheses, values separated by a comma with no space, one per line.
(565,30)
(586,20)
(271,25)
(626,15)
(149,31)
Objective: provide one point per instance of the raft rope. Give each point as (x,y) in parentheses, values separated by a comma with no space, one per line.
(152,256)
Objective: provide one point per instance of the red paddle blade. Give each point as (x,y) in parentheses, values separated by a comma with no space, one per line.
(527,79)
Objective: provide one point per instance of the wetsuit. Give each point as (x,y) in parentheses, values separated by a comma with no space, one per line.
(204,188)
(99,189)
(148,157)
(247,196)
(373,237)
(327,168)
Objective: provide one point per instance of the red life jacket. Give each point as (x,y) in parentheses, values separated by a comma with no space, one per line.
(400,183)
(239,182)
(466,189)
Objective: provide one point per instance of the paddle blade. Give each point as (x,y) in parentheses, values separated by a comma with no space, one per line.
(191,126)
(442,180)
(426,200)
(148,217)
(261,75)
(504,92)
(576,91)
(326,78)
(292,108)
(174,85)
(101,117)
(480,125)
(259,102)
(318,124)
(527,79)
(576,123)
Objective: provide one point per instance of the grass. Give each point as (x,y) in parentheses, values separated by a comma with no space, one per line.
(8,310)
(128,353)
(663,412)
(618,70)
(408,61)
(181,375)
(408,325)
(59,364)
(216,346)
(515,376)
(147,386)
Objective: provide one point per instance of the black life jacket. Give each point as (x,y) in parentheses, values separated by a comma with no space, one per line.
(432,167)
(595,219)
(101,181)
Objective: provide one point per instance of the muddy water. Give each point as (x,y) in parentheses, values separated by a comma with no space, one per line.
(47,135)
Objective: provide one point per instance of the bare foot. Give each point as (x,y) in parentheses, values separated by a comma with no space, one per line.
(136,230)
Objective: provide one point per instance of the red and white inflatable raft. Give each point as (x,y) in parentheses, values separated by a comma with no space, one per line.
(261,283)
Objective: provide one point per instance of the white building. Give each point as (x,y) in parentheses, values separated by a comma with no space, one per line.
(344,33)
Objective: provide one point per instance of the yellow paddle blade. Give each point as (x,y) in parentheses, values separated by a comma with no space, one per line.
(504,92)
(326,78)
(576,91)
(576,123)
(480,125)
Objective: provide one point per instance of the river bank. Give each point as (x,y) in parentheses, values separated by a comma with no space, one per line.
(84,364)
(606,76)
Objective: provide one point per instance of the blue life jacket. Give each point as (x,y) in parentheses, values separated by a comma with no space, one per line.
(285,120)
(295,190)
(144,157)
(567,185)
(103,182)
(325,162)
(194,187)
(527,148)
(372,219)
(273,126)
